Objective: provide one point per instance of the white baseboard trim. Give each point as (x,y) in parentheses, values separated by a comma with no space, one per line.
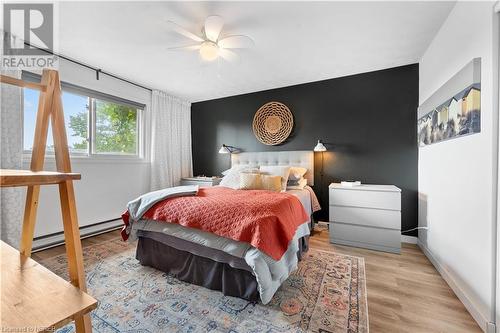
(481,319)
(47,242)
(409,239)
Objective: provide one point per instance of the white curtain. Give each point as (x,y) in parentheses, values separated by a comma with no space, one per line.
(11,143)
(171,140)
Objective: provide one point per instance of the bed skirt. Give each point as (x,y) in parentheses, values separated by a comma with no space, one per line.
(198,270)
(202,271)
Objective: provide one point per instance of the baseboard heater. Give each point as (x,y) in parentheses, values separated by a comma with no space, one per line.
(56,239)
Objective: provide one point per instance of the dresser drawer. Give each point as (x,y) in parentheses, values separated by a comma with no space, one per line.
(367,237)
(365,199)
(380,218)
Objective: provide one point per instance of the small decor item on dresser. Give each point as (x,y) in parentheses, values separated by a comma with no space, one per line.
(350,183)
(272,123)
(201,181)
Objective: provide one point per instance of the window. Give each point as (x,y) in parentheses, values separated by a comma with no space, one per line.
(76,118)
(115,129)
(30,109)
(96,124)
(76,110)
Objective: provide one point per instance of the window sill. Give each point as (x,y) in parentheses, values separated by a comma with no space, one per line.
(105,159)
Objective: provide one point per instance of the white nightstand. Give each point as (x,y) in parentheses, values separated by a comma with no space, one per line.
(201,181)
(367,216)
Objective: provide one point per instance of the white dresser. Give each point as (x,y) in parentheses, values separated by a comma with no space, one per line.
(367,216)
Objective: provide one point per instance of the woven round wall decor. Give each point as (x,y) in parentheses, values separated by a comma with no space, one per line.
(272,123)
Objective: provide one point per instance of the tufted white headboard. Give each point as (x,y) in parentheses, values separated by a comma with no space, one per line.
(302,158)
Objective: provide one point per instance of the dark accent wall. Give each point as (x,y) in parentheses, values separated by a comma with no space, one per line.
(368,122)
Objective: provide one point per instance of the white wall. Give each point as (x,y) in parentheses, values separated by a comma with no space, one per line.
(496,87)
(456,177)
(107,184)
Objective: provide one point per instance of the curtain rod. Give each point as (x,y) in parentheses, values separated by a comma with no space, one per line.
(98,71)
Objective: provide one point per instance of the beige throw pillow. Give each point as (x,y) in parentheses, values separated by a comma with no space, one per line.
(250,181)
(277,170)
(232,178)
(271,183)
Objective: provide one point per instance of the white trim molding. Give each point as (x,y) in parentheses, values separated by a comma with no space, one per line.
(409,239)
(46,242)
(473,309)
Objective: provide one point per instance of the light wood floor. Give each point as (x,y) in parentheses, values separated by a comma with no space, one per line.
(405,292)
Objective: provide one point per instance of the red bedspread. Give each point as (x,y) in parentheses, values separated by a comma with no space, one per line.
(264,219)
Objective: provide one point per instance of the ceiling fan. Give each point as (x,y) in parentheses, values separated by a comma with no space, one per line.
(211,44)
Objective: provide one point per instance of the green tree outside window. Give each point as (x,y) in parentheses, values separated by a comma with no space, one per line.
(115,128)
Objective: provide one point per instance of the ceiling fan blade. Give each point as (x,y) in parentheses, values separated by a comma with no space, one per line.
(177,28)
(186,47)
(213,27)
(236,42)
(228,55)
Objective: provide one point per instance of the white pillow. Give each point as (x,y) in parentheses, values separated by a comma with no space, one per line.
(225,172)
(299,185)
(232,178)
(297,173)
(277,170)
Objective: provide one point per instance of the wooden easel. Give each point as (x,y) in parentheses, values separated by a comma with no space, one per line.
(49,107)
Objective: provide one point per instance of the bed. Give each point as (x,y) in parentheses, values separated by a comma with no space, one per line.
(208,258)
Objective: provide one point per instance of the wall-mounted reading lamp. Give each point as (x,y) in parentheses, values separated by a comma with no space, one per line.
(320,148)
(225,149)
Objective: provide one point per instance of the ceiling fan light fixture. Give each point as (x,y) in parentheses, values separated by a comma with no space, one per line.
(213,44)
(209,51)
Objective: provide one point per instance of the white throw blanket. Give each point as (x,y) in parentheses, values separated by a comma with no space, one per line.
(137,207)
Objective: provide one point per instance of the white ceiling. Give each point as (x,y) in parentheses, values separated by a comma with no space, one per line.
(296,42)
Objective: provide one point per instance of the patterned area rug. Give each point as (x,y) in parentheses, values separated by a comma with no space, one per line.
(326,294)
